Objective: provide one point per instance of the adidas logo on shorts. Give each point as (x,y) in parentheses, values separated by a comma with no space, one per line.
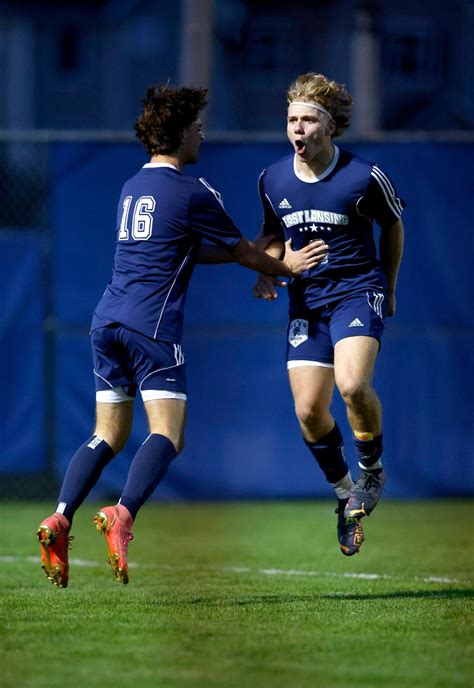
(356,323)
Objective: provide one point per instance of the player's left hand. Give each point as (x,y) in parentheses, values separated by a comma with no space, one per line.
(265,287)
(304,258)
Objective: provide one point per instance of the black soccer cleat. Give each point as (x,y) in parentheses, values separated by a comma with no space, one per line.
(365,494)
(350,533)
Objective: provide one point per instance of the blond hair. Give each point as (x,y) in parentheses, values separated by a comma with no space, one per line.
(316,88)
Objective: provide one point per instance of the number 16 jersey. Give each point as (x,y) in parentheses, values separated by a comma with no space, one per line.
(162,217)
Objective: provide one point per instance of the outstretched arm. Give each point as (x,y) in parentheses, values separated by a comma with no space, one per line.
(211,254)
(391,251)
(295,262)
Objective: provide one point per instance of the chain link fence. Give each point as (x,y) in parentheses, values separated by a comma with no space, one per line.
(24,185)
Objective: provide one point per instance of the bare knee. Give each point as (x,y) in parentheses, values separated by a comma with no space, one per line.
(312,417)
(115,439)
(120,442)
(113,422)
(305,412)
(354,391)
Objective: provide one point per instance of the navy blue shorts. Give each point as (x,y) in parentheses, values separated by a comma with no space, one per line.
(312,335)
(125,361)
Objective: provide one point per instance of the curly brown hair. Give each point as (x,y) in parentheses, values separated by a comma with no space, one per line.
(167,112)
(317,88)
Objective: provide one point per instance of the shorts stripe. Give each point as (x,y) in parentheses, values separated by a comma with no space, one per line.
(158,370)
(178,354)
(112,396)
(302,364)
(377,303)
(103,378)
(151,394)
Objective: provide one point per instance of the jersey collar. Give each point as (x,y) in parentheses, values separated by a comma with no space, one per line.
(324,174)
(161,164)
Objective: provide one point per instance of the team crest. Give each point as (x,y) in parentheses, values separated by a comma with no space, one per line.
(298,332)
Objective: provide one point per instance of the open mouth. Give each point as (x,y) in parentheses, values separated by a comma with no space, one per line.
(300,146)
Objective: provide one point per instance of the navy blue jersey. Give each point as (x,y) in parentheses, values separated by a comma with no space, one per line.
(162,217)
(339,207)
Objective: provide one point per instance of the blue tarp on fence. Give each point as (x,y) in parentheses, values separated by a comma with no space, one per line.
(242,438)
(22,434)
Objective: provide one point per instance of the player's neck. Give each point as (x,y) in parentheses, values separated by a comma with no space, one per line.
(316,166)
(169,160)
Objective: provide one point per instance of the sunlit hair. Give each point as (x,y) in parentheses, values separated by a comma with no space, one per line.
(167,112)
(316,88)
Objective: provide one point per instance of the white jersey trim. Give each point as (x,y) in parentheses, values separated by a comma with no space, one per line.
(215,193)
(324,174)
(271,206)
(302,364)
(262,195)
(388,191)
(362,214)
(161,164)
(169,292)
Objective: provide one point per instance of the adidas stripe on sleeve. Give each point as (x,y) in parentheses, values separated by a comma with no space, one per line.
(387,206)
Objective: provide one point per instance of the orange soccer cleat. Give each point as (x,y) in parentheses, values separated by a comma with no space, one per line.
(53,536)
(115,523)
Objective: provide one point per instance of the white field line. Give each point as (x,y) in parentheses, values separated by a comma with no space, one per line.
(245,569)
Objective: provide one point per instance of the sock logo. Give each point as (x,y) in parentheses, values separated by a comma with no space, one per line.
(95,442)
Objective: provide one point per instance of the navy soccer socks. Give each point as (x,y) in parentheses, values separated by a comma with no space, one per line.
(83,472)
(369,451)
(328,452)
(147,470)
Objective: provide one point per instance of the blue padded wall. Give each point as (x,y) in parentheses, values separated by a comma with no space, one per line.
(242,437)
(22,427)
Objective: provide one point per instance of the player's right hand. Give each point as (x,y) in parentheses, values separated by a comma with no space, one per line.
(306,258)
(265,287)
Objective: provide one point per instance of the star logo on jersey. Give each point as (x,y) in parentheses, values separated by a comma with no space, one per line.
(356,323)
(284,204)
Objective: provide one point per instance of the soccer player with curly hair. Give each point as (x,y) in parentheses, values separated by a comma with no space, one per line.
(163,217)
(336,309)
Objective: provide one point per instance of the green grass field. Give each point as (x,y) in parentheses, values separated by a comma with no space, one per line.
(244,595)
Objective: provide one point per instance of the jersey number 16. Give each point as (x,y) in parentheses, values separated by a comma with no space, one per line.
(142,221)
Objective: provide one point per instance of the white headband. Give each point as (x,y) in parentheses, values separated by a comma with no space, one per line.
(312,105)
